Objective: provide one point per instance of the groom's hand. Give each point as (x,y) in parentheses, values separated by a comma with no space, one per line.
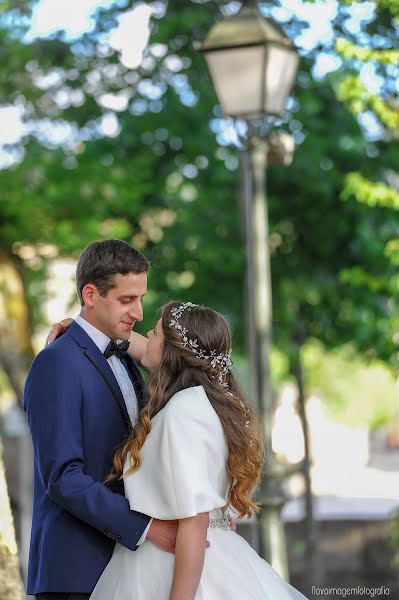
(233,525)
(163,534)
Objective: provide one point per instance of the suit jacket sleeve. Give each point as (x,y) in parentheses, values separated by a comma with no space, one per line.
(53,405)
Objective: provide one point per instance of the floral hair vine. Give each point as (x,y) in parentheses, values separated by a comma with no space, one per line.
(224,359)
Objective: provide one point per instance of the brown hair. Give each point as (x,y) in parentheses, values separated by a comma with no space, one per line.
(101,261)
(179,369)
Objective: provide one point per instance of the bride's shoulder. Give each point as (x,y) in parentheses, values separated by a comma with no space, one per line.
(187,396)
(191,401)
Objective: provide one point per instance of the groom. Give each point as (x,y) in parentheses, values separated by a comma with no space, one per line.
(82,395)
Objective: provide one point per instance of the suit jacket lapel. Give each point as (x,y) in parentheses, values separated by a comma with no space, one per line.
(108,376)
(94,355)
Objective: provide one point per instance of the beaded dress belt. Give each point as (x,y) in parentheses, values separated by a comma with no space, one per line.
(222,523)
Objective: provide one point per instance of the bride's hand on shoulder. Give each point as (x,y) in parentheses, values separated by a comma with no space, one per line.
(57,329)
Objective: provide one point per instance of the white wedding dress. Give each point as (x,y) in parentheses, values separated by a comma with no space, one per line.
(183,473)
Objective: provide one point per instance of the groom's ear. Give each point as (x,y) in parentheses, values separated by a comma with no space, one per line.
(89,293)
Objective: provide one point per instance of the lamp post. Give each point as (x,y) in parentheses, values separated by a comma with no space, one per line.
(253,66)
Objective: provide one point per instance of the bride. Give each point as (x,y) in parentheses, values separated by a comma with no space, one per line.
(196,449)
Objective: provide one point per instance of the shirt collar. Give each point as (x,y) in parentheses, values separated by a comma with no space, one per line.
(98,337)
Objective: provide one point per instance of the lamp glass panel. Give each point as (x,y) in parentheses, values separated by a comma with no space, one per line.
(281,67)
(237,77)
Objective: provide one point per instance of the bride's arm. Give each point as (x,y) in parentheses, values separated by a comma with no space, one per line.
(138,345)
(189,556)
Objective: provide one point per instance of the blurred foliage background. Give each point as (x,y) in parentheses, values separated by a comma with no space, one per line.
(141,152)
(110,147)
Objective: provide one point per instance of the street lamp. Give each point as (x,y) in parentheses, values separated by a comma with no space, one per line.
(252,63)
(253,66)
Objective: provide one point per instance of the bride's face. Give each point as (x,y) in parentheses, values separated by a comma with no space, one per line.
(152,355)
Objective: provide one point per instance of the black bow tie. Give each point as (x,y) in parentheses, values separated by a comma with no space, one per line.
(118,350)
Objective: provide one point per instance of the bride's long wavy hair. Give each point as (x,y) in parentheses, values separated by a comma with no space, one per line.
(180,368)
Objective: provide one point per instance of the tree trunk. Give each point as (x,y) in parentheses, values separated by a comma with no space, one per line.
(16,353)
(392,429)
(10,575)
(313,575)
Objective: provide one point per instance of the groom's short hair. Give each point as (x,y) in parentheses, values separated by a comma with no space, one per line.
(101,261)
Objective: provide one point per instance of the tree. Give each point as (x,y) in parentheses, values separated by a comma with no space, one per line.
(10,576)
(96,189)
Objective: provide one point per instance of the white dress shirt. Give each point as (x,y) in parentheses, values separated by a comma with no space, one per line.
(123,379)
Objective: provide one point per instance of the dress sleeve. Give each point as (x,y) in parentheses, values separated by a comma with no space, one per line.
(183,468)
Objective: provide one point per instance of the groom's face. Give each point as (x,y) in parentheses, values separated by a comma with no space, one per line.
(116,313)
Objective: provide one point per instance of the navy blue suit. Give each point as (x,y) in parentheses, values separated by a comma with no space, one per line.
(77,417)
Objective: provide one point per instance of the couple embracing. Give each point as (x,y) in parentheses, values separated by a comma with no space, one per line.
(133,481)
